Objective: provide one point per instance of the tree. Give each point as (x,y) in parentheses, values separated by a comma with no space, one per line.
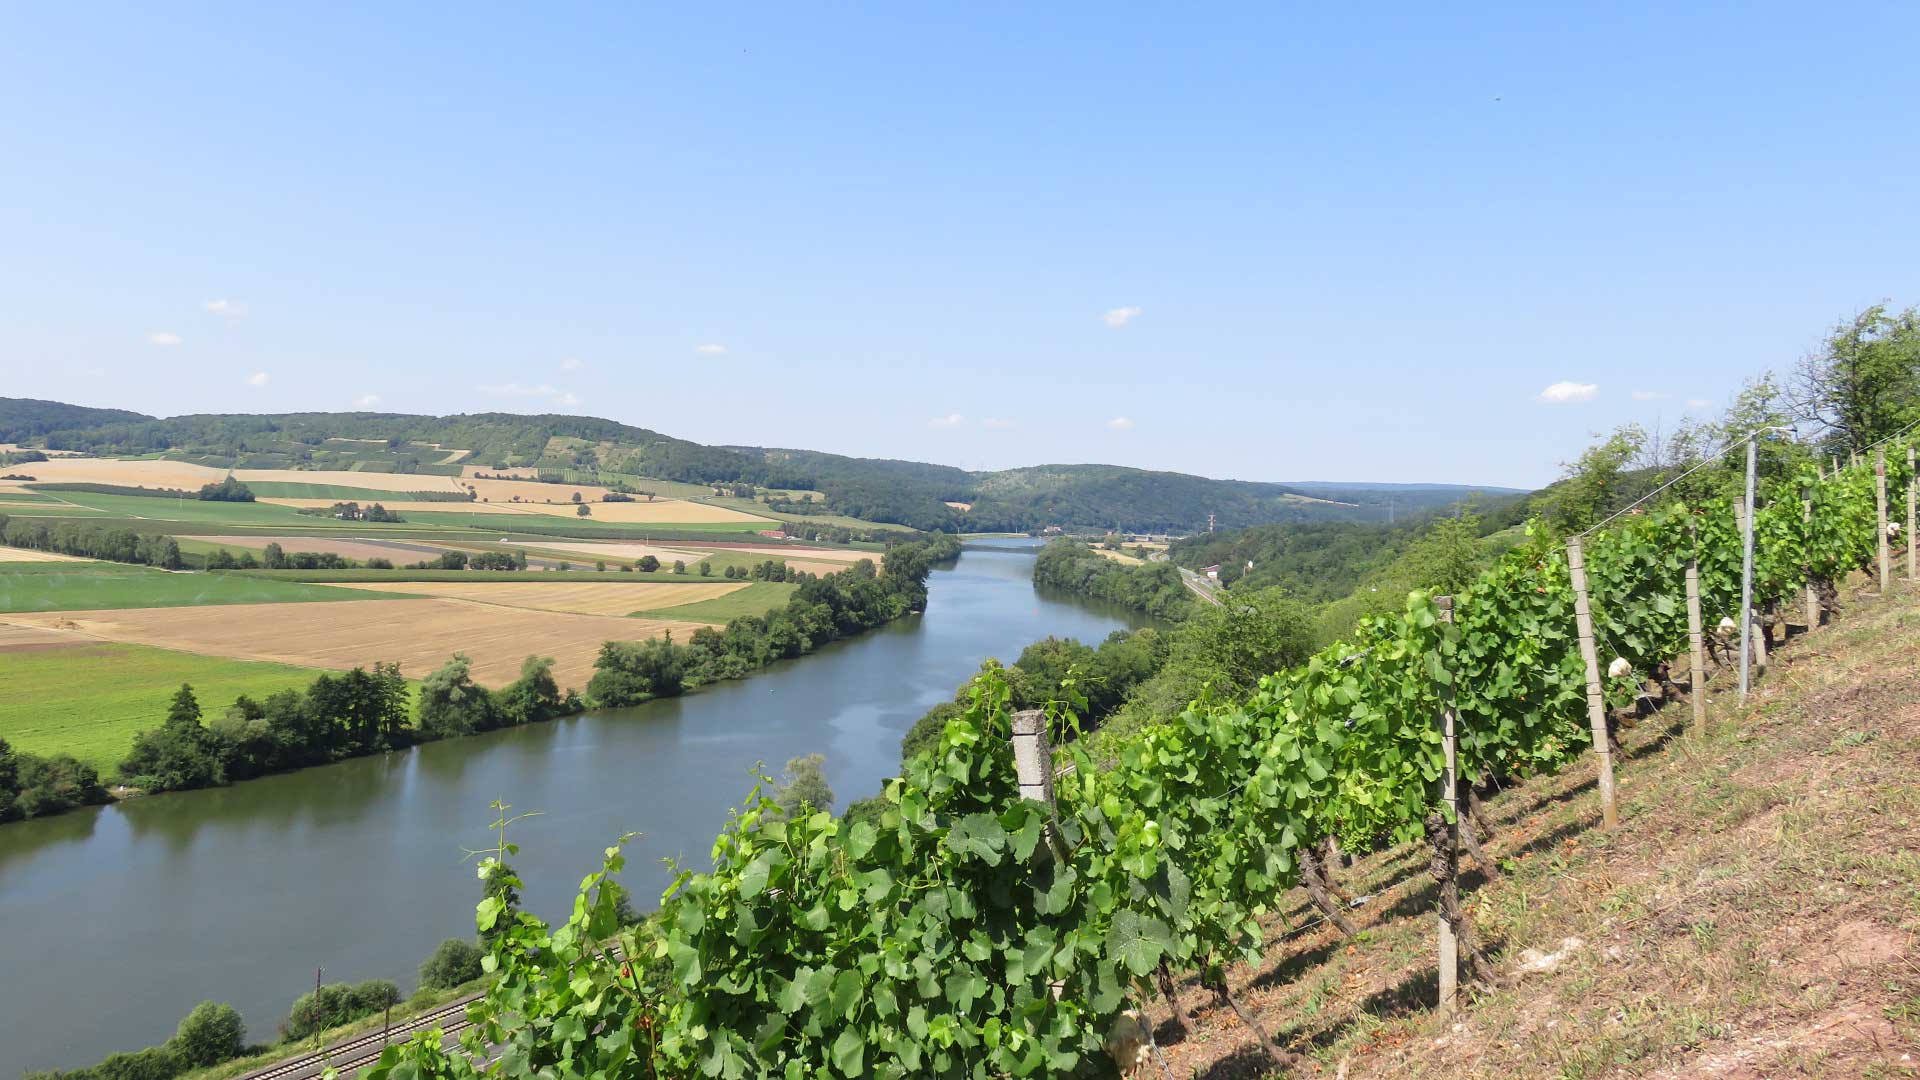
(679,566)
(706,569)
(184,709)
(273,557)
(600,566)
(1864,382)
(1593,486)
(576,497)
(629,672)
(454,962)
(583,510)
(804,786)
(9,783)
(534,696)
(648,564)
(210,1034)
(451,703)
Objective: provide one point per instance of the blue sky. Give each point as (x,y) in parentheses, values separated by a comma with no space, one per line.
(1258,243)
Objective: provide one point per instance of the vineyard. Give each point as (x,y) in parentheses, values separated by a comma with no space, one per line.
(1021,901)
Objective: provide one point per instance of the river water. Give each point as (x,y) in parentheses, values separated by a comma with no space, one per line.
(115,921)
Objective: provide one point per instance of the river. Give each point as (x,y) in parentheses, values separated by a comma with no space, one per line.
(115,921)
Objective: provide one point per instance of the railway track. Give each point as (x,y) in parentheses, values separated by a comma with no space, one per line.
(349,1056)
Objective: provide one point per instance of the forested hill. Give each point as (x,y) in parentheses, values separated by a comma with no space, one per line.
(914,494)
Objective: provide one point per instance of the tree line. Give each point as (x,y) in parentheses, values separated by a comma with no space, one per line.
(90,541)
(1154,588)
(823,609)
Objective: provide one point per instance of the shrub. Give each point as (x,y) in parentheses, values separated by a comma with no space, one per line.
(210,1034)
(335,1004)
(455,962)
(153,1063)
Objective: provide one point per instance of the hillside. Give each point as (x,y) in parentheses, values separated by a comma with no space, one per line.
(1755,915)
(914,494)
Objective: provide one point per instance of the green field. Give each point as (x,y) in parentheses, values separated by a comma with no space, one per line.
(102,586)
(90,700)
(756,599)
(471,576)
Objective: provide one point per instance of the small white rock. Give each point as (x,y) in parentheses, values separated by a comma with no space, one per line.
(1619,669)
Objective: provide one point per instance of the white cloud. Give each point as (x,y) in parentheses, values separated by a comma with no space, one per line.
(567,400)
(1649,395)
(258,378)
(711,349)
(226,309)
(1562,392)
(164,338)
(572,363)
(1699,403)
(996,422)
(951,420)
(1121,316)
(366,401)
(1121,423)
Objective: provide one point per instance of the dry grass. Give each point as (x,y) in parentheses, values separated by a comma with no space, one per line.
(1754,916)
(616,550)
(1120,557)
(397,552)
(153,474)
(20,555)
(618,598)
(418,634)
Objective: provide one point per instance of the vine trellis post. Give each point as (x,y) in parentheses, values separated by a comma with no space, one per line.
(1758,637)
(1033,766)
(1697,647)
(1880,505)
(1449,898)
(1913,496)
(1746,574)
(1596,701)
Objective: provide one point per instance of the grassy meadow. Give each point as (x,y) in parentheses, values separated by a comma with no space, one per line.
(90,700)
(100,586)
(756,599)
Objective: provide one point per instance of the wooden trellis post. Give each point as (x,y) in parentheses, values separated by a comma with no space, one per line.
(1880,503)
(1596,700)
(1449,899)
(1696,642)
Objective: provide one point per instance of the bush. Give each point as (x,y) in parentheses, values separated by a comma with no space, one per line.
(228,490)
(210,1034)
(335,1004)
(454,963)
(153,1063)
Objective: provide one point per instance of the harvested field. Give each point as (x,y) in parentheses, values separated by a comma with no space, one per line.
(660,511)
(395,550)
(616,550)
(342,478)
(620,598)
(1120,557)
(530,491)
(14,554)
(145,473)
(18,638)
(417,634)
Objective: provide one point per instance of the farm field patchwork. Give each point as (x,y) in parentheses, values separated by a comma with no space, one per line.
(97,586)
(89,699)
(333,493)
(419,635)
(615,597)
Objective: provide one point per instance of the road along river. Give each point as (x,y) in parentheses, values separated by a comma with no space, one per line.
(115,921)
